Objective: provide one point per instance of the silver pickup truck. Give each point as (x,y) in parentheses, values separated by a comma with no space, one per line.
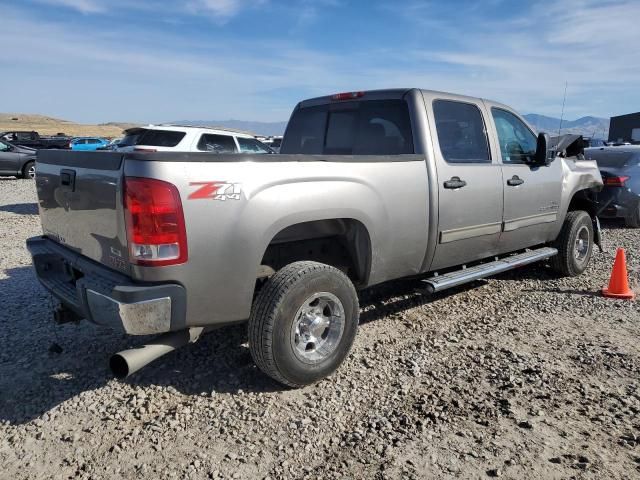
(369,187)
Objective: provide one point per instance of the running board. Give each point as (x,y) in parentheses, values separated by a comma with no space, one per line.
(438,283)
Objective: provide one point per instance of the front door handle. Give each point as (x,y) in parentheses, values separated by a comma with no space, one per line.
(515,181)
(455,182)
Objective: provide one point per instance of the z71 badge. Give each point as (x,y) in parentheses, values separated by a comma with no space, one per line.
(215,191)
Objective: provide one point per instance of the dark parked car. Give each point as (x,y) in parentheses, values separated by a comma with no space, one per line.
(16,160)
(33,139)
(620,169)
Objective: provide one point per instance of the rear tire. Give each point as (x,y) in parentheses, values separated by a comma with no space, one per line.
(29,170)
(303,323)
(574,244)
(634,220)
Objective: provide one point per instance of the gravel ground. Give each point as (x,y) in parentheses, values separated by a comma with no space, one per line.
(522,376)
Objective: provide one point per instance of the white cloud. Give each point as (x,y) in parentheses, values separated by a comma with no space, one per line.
(82,6)
(524,60)
(150,74)
(222,10)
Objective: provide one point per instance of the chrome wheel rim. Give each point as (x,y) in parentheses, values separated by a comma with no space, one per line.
(317,327)
(581,247)
(32,171)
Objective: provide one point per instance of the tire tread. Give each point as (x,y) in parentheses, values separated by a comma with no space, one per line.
(563,261)
(263,313)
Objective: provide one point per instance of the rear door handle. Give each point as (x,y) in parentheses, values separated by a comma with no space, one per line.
(455,182)
(515,181)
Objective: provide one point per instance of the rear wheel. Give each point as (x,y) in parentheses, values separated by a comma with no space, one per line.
(303,323)
(633,221)
(29,170)
(574,244)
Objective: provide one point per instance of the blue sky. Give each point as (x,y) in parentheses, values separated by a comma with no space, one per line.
(159,60)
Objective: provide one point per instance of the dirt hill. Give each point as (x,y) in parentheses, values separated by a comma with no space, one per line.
(51,126)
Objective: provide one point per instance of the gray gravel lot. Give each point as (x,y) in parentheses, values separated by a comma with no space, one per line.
(521,376)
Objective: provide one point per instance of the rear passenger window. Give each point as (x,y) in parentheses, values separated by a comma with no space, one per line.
(217,143)
(160,138)
(461,132)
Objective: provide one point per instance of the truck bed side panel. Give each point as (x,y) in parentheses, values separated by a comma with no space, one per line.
(228,235)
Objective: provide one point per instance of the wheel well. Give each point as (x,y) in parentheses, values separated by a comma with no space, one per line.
(23,168)
(583,200)
(343,243)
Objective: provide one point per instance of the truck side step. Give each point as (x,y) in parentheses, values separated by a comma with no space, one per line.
(453,279)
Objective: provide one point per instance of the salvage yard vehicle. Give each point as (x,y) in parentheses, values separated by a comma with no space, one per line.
(17,161)
(32,139)
(88,143)
(189,138)
(369,187)
(620,169)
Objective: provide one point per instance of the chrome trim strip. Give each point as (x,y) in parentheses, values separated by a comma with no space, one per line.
(536,219)
(455,234)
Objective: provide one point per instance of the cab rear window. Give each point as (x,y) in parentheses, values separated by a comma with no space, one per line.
(373,127)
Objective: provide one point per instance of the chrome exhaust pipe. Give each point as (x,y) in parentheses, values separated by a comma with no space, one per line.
(127,362)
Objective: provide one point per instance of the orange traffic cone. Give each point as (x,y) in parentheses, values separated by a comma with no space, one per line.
(619,282)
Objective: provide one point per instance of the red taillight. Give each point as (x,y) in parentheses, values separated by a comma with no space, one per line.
(347,95)
(156,232)
(146,150)
(615,181)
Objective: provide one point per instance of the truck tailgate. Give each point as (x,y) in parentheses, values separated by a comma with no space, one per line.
(80,203)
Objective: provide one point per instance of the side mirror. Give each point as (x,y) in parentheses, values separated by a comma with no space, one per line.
(544,155)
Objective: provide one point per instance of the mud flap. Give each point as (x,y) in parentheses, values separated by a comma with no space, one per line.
(597,233)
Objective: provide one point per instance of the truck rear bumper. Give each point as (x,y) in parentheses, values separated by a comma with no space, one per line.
(105,297)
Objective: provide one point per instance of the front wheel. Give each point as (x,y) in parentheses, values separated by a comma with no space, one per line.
(29,170)
(574,244)
(303,323)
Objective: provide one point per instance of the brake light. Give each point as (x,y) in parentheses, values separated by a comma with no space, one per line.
(347,96)
(146,150)
(615,181)
(156,232)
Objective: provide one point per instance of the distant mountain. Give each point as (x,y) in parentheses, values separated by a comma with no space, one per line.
(587,126)
(257,128)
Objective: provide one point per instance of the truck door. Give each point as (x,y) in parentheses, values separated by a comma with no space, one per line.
(469,182)
(531,193)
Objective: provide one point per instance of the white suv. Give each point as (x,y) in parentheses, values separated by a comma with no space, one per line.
(188,138)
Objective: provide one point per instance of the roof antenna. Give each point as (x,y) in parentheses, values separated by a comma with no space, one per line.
(563,102)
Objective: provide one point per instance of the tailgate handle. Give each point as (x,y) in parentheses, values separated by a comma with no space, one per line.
(68,179)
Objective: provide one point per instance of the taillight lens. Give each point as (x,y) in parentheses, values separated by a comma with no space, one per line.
(146,150)
(156,231)
(347,96)
(615,181)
